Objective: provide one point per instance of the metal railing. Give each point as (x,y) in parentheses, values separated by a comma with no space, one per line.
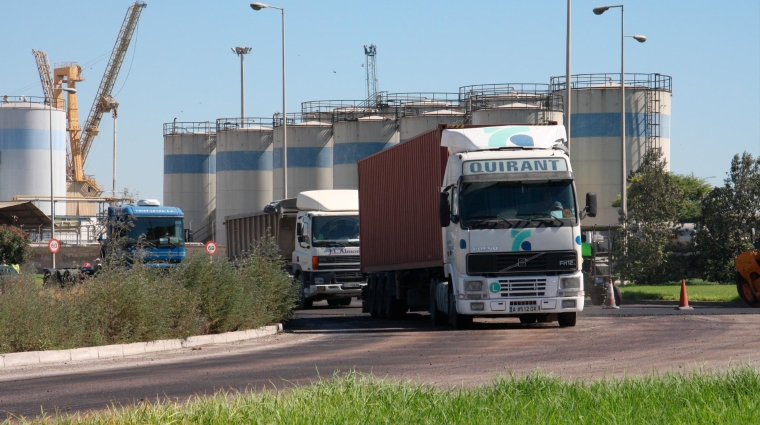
(514,95)
(201,127)
(227,124)
(28,101)
(653,81)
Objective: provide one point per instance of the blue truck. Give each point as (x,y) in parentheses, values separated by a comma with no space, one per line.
(160,230)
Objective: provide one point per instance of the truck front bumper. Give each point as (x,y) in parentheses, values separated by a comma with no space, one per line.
(329,284)
(513,307)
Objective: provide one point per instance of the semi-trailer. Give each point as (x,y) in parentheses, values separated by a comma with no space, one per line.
(318,236)
(473,221)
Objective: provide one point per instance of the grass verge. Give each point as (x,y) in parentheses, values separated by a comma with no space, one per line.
(697,291)
(728,397)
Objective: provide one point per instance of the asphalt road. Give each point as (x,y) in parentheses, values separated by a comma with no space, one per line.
(320,341)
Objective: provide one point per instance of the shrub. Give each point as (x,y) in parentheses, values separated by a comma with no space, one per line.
(14,245)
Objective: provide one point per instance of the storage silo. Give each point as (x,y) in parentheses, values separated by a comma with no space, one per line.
(25,150)
(243,168)
(190,174)
(310,156)
(421,112)
(595,131)
(492,104)
(358,138)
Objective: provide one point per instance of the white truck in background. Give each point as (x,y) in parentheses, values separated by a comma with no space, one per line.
(318,235)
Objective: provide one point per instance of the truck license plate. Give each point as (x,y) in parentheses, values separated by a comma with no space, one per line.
(351,285)
(522,308)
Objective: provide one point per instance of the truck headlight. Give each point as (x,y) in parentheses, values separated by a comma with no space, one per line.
(319,280)
(473,285)
(570,283)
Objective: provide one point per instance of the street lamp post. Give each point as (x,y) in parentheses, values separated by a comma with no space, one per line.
(640,39)
(259,6)
(111,105)
(52,194)
(241,51)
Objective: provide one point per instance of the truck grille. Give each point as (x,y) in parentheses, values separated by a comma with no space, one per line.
(344,277)
(506,263)
(522,287)
(344,262)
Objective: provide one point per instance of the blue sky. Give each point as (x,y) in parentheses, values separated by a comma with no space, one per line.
(180,64)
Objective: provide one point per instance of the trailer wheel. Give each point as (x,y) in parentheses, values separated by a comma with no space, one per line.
(458,321)
(374,311)
(745,291)
(436,316)
(567,319)
(391,305)
(303,302)
(47,279)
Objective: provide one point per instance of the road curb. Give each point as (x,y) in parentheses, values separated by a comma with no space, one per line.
(29,358)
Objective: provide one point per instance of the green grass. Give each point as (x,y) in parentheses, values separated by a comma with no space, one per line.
(696,290)
(705,398)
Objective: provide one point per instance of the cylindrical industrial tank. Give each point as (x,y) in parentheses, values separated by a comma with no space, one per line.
(310,156)
(25,149)
(492,104)
(190,174)
(357,139)
(421,112)
(595,131)
(243,168)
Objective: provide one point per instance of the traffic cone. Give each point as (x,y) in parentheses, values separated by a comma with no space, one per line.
(609,302)
(683,303)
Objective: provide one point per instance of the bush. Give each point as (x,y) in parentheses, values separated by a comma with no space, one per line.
(122,305)
(14,245)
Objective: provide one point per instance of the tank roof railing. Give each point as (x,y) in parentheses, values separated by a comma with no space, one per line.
(514,95)
(227,124)
(198,127)
(295,118)
(654,81)
(386,99)
(28,101)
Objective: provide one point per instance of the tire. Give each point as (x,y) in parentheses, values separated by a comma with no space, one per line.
(528,319)
(374,304)
(303,302)
(344,301)
(458,321)
(436,316)
(333,302)
(48,279)
(392,306)
(618,295)
(567,319)
(745,291)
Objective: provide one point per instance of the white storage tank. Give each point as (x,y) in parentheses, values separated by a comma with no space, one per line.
(25,138)
(244,164)
(310,155)
(357,139)
(521,103)
(190,174)
(595,131)
(421,112)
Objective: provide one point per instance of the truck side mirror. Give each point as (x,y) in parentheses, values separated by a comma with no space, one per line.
(445,210)
(299,232)
(591,204)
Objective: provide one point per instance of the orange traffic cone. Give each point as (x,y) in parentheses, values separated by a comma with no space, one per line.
(609,302)
(683,304)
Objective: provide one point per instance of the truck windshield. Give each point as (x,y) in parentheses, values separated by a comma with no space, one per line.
(550,203)
(158,231)
(335,230)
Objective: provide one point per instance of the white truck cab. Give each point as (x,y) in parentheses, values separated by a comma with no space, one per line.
(326,256)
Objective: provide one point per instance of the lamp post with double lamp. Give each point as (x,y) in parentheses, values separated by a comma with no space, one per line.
(640,39)
(259,6)
(52,194)
(241,51)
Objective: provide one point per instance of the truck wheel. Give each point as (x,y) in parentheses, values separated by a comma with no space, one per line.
(303,302)
(380,297)
(458,321)
(391,305)
(436,316)
(344,301)
(567,319)
(745,291)
(372,296)
(618,295)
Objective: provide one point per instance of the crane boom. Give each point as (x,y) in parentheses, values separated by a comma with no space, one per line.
(109,77)
(46,78)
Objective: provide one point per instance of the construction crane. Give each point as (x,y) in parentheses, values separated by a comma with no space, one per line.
(371,53)
(46,78)
(80,139)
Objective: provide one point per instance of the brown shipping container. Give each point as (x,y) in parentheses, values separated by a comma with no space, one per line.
(398,205)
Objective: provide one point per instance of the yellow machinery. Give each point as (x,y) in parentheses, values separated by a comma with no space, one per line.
(80,139)
(748,277)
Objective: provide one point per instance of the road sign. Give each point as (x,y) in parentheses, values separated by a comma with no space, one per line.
(54,245)
(211,247)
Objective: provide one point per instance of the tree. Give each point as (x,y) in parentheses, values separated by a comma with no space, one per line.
(694,190)
(654,203)
(14,245)
(730,214)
